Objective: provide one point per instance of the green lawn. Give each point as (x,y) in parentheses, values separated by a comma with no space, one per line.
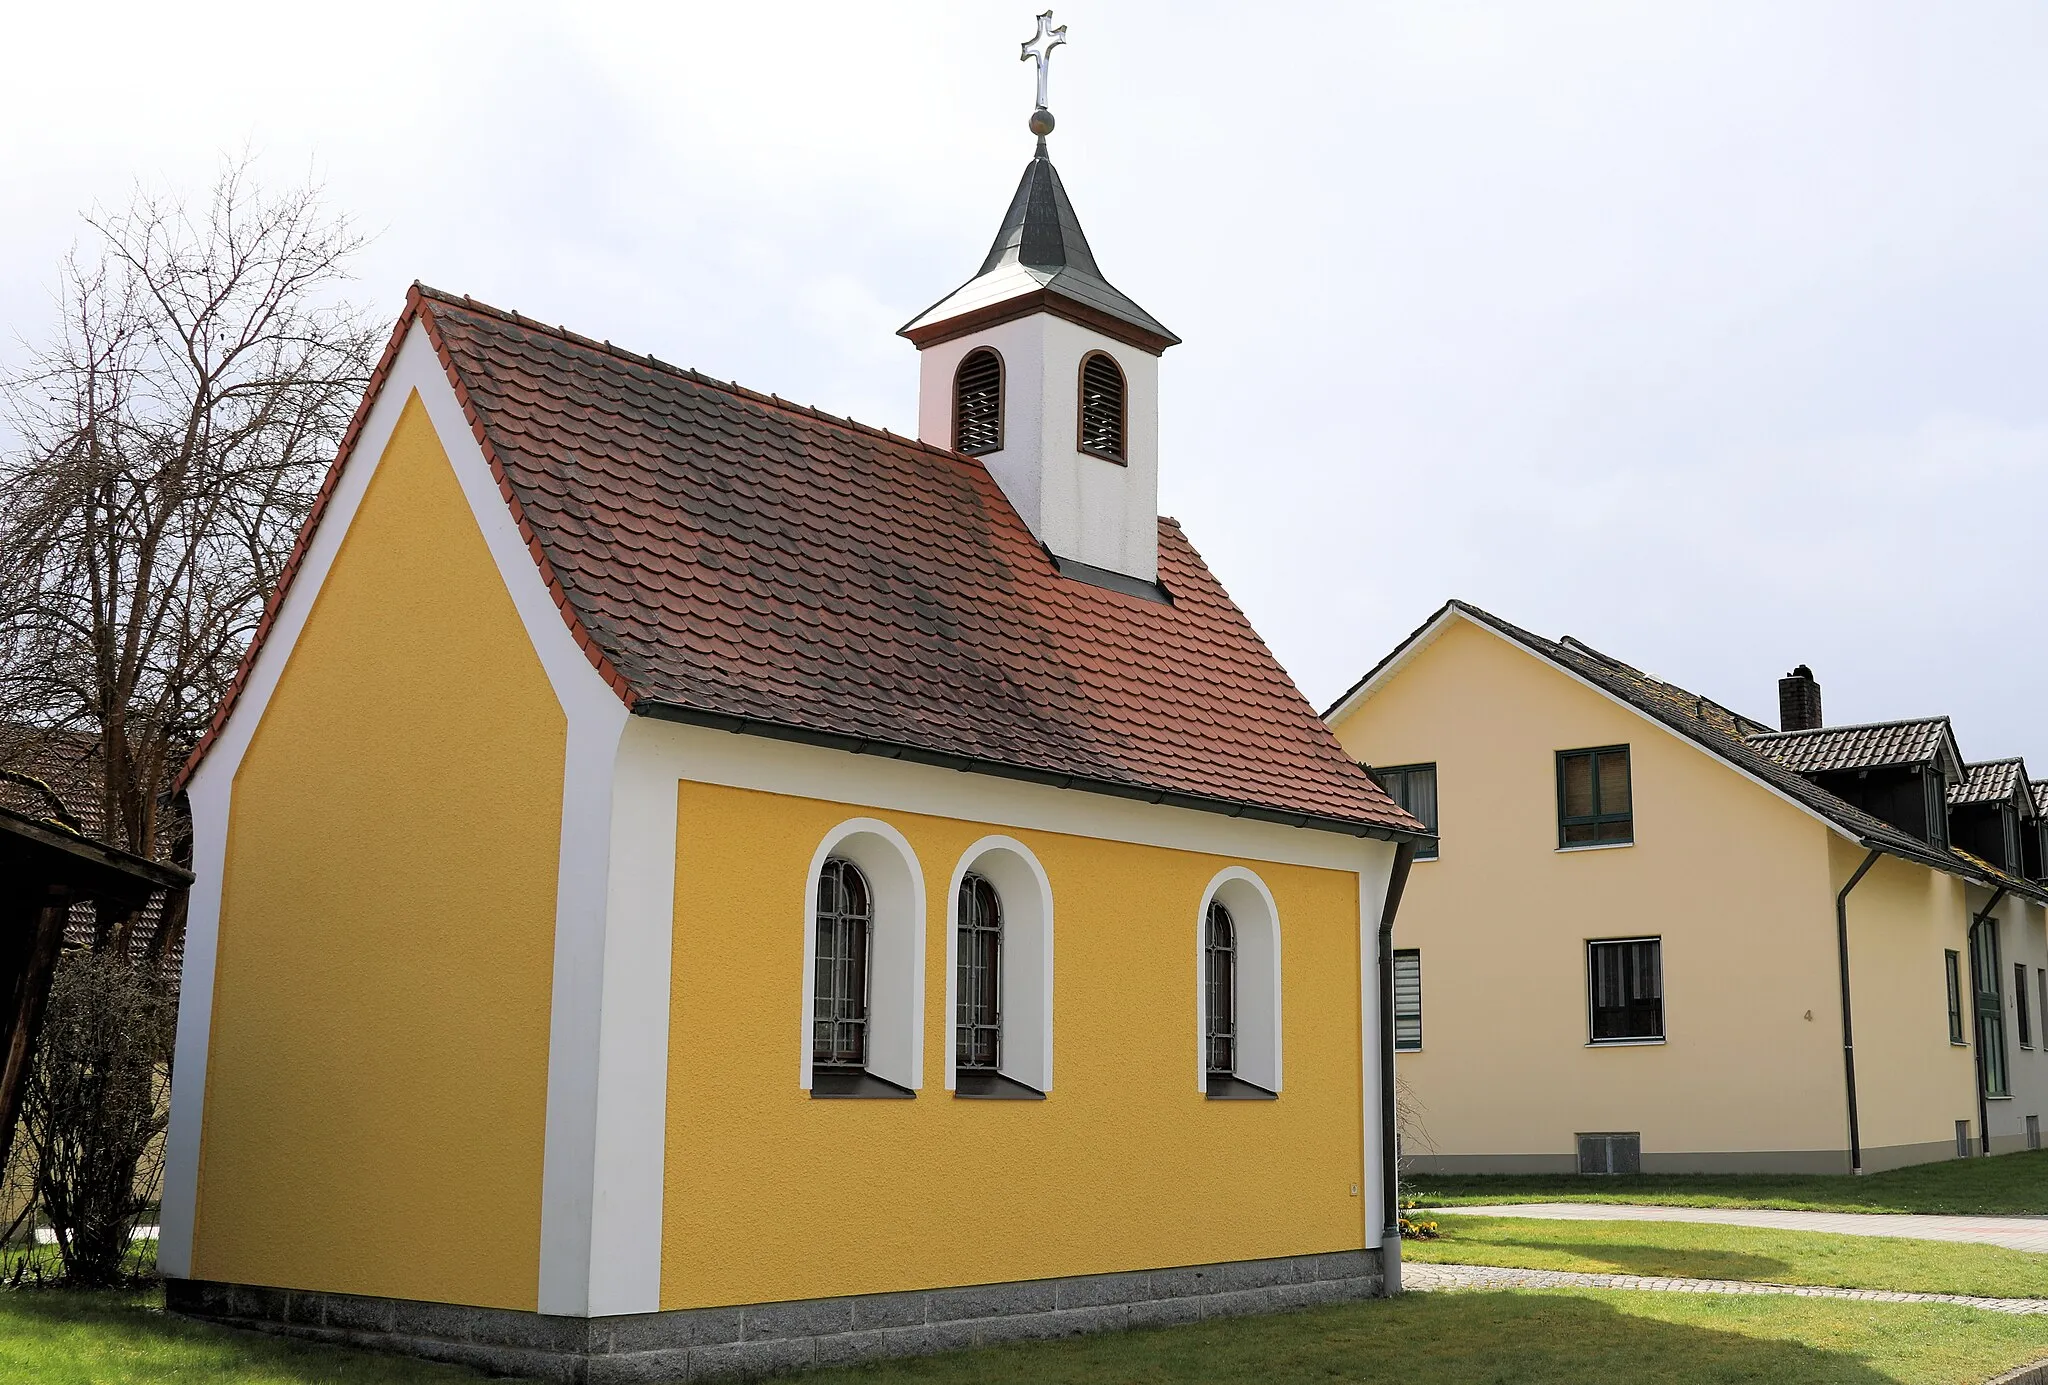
(56,1338)
(2007,1184)
(1552,1338)
(1736,1252)
(1486,1338)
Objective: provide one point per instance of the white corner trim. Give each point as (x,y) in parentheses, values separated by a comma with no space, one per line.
(895,984)
(1032,996)
(1260,988)
(1372,901)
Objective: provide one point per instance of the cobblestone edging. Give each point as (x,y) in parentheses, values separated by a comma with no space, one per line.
(1420,1276)
(2012,1232)
(763,1339)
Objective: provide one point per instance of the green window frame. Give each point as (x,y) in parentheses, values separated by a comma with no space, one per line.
(1953,960)
(1414,788)
(1407,1000)
(1595,797)
(1987,986)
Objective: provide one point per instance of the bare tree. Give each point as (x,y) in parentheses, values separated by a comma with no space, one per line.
(172,434)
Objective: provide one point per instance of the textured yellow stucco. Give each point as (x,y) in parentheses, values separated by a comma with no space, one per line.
(376,1087)
(773,1195)
(1735,880)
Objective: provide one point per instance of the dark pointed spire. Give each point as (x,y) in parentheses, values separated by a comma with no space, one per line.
(1040,258)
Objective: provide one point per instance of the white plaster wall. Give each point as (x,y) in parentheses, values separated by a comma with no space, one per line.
(2022,940)
(1081,507)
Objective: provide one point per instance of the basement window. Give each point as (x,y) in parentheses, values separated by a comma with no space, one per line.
(978,403)
(1102,407)
(1609,1154)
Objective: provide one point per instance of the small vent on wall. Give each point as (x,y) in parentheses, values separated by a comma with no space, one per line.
(1962,1139)
(1611,1153)
(978,403)
(1102,407)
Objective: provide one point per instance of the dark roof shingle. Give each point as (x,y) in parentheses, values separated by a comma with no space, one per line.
(1989,781)
(1918,741)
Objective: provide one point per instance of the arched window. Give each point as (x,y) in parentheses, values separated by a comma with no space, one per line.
(839,1009)
(1219,989)
(980,985)
(1102,406)
(1237,989)
(978,403)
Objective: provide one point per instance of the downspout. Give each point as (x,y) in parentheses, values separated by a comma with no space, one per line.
(1390,1195)
(1848,1028)
(1977,1026)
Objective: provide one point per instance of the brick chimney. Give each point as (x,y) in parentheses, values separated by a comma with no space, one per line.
(1798,701)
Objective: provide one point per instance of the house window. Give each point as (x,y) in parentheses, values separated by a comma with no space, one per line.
(1610,1154)
(978,403)
(2019,1000)
(1414,788)
(2041,976)
(1593,802)
(980,1017)
(1954,962)
(1102,407)
(1219,991)
(1984,980)
(1408,1001)
(839,1012)
(1626,980)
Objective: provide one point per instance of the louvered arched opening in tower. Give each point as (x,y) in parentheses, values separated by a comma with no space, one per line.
(1102,407)
(978,403)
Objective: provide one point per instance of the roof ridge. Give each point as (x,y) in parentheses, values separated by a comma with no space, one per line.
(1852,726)
(690,373)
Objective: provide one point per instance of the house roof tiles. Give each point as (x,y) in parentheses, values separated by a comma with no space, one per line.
(729,558)
(1917,741)
(1989,781)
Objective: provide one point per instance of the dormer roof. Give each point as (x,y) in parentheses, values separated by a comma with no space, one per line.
(1994,781)
(1872,745)
(1040,262)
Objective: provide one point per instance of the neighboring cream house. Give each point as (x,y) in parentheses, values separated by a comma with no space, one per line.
(1661,935)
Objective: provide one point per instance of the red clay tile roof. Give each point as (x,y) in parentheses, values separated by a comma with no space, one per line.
(730,558)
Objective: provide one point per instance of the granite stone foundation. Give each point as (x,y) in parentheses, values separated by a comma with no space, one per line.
(768,1338)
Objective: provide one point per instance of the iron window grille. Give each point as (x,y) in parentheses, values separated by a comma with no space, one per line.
(1414,788)
(839,1007)
(1953,961)
(979,1018)
(1219,991)
(2019,1000)
(1102,406)
(978,403)
(1594,803)
(1625,982)
(1984,981)
(1408,1000)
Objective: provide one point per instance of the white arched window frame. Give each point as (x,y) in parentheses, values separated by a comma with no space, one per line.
(1257,921)
(1026,966)
(895,948)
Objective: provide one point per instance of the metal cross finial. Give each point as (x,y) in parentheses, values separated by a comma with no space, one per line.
(1040,46)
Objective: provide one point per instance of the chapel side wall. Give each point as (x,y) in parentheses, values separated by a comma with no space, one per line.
(1733,879)
(376,1083)
(1912,1085)
(773,1195)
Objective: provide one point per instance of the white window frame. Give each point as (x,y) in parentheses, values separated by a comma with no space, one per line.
(895,1037)
(1026,968)
(1257,920)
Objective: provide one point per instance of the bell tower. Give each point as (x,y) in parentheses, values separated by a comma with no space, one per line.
(1041,368)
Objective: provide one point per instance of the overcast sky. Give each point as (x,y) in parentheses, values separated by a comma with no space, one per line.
(1711,334)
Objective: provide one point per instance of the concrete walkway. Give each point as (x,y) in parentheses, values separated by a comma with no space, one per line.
(1416,1275)
(2014,1233)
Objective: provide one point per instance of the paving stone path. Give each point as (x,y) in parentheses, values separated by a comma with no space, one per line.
(2014,1233)
(1419,1276)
